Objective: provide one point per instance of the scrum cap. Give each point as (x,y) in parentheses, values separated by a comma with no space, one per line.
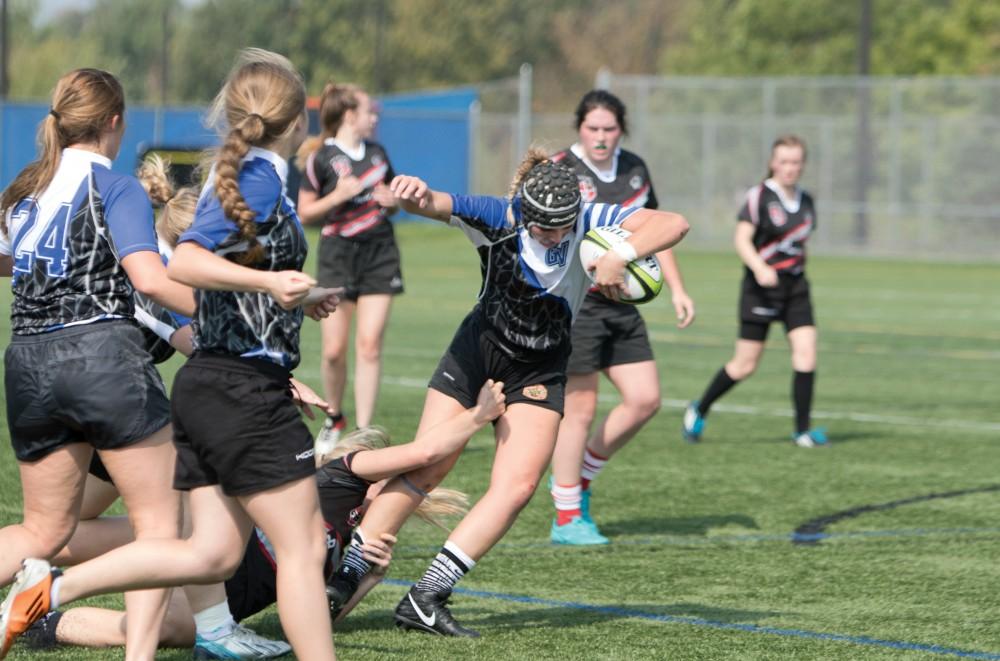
(550,196)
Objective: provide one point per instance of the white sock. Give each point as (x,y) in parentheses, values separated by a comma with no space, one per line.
(593,464)
(215,621)
(54,593)
(566,498)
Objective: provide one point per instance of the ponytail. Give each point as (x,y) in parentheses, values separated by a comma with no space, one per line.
(178,205)
(83,104)
(227,170)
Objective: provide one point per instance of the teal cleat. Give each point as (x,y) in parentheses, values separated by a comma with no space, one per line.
(585,507)
(693,424)
(577,533)
(811,438)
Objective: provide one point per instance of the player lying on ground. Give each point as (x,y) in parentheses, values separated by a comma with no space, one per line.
(348,479)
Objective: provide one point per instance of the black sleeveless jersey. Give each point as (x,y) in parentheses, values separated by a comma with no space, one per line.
(360,218)
(341,494)
(628,184)
(781,225)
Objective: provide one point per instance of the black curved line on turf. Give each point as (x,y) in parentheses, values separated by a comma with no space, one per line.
(812,532)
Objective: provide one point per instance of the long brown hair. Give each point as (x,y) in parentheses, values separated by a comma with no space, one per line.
(439,502)
(787,140)
(83,104)
(335,101)
(260,103)
(178,204)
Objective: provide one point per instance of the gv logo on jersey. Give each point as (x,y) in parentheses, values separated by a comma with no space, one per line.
(556,255)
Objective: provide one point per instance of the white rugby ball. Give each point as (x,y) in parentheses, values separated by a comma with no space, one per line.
(643,277)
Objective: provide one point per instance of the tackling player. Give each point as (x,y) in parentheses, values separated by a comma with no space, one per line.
(347,479)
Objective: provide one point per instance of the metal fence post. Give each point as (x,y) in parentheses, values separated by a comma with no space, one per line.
(523,110)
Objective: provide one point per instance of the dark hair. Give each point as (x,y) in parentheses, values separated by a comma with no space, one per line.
(787,140)
(83,104)
(601,99)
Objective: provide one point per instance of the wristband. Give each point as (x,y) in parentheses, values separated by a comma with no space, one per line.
(626,251)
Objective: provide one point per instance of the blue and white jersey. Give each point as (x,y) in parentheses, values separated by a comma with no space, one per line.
(68,243)
(530,293)
(249,324)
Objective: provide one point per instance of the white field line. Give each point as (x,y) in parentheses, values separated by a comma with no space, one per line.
(966,425)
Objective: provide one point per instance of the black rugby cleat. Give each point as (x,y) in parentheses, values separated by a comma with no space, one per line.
(428,612)
(341,588)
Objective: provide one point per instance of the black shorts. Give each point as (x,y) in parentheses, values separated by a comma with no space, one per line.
(98,469)
(362,268)
(472,358)
(236,425)
(607,334)
(789,303)
(92,383)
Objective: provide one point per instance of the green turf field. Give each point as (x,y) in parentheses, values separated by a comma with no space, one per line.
(701,564)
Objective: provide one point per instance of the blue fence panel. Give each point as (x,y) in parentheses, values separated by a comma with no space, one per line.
(426,134)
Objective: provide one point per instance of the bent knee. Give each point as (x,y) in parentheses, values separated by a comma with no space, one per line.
(517,494)
(739,370)
(216,564)
(646,407)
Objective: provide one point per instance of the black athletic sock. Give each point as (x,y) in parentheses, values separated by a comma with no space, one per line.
(719,386)
(802,396)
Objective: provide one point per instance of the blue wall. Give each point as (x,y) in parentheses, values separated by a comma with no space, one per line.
(426,134)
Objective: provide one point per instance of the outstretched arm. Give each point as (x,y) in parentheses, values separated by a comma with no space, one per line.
(436,443)
(413,196)
(197,267)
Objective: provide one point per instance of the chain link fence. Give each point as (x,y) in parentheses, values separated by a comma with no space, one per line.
(898,166)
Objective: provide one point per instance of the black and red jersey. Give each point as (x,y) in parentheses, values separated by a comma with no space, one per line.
(782,225)
(341,495)
(360,218)
(626,184)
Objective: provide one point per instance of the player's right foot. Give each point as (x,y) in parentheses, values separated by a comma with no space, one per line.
(239,643)
(428,612)
(329,435)
(693,425)
(341,588)
(576,533)
(810,438)
(27,602)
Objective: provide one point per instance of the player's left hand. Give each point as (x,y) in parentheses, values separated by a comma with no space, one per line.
(379,552)
(324,307)
(608,273)
(684,307)
(305,397)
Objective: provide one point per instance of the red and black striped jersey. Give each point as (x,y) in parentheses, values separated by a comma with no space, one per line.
(781,225)
(359,218)
(626,184)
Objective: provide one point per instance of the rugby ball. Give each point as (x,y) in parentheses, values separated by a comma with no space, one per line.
(643,277)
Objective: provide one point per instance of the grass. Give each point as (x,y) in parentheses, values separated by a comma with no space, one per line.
(701,566)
